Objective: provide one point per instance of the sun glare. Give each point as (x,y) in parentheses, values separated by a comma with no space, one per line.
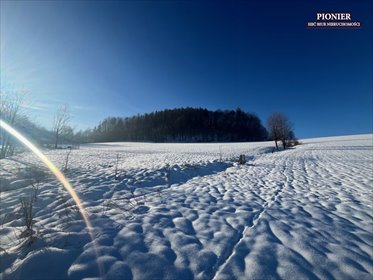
(59,175)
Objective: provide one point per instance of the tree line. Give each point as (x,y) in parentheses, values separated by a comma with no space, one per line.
(182,125)
(170,125)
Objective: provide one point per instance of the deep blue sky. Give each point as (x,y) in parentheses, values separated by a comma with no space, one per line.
(128,57)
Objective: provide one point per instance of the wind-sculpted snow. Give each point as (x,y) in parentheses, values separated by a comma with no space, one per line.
(189,211)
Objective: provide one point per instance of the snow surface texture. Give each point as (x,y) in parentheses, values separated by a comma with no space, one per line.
(189,211)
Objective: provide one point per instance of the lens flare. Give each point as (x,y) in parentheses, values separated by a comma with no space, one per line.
(60,177)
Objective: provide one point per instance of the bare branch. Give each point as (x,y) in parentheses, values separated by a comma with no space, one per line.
(61,122)
(280,128)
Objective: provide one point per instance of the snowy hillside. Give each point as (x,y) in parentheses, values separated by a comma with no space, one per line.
(189,211)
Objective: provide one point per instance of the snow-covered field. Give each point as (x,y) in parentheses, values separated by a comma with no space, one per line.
(189,211)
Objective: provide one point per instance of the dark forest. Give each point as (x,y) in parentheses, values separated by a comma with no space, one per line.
(182,125)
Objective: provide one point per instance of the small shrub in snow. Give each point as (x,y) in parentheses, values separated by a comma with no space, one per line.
(242,159)
(27,204)
(67,159)
(35,193)
(292,143)
(116,168)
(168,174)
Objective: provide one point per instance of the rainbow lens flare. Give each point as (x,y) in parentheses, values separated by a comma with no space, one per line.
(59,175)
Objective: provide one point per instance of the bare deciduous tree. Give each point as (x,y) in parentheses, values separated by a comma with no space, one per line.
(60,124)
(10,109)
(280,128)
